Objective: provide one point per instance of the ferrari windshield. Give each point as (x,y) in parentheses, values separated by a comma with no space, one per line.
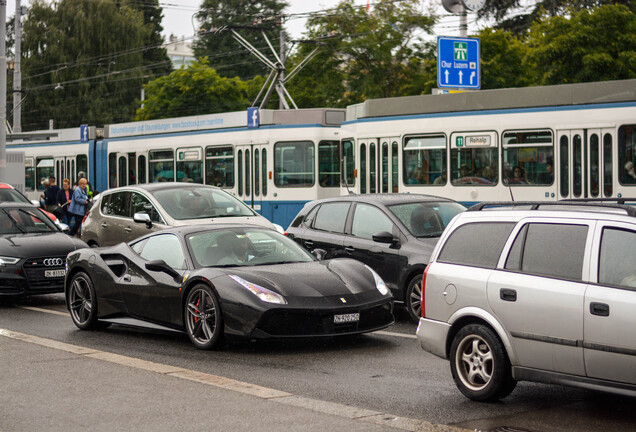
(426,219)
(244,247)
(199,202)
(17,220)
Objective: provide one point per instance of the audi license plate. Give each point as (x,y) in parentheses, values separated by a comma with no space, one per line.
(346,318)
(54,273)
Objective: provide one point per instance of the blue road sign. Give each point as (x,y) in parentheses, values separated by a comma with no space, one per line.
(458,63)
(84,133)
(252,117)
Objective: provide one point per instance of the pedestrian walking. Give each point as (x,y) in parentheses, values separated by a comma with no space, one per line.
(78,205)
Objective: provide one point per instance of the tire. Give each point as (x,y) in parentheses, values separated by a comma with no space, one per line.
(479,364)
(82,302)
(413,298)
(203,319)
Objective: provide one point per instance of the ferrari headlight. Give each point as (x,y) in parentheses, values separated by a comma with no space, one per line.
(262,293)
(379,283)
(5,260)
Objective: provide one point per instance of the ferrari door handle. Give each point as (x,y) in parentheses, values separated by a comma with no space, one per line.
(104,224)
(128,229)
(507,294)
(600,309)
(350,249)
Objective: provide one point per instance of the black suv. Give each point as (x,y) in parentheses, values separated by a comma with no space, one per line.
(394,234)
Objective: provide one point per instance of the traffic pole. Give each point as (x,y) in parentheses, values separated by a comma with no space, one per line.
(3,90)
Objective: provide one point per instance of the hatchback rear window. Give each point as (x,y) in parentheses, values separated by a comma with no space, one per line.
(476,244)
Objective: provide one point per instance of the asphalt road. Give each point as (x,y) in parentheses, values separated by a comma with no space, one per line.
(385,372)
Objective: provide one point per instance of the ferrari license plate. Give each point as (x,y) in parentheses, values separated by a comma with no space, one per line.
(54,273)
(346,318)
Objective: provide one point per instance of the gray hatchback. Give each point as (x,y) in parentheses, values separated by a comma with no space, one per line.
(125,213)
(534,291)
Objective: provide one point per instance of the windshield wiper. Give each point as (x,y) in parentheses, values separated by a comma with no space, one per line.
(15,222)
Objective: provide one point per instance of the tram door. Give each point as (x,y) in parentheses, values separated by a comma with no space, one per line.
(378,165)
(126,169)
(584,163)
(251,174)
(65,168)
(388,165)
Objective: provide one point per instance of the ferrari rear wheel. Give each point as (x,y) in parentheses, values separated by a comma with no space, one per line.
(82,302)
(203,319)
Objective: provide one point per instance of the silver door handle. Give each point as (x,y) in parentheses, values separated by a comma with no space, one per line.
(128,229)
(104,224)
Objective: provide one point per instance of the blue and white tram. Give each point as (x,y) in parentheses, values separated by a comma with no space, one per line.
(538,143)
(272,167)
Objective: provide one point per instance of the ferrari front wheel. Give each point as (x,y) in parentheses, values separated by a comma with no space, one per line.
(203,319)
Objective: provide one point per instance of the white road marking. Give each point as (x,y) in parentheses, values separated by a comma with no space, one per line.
(50,311)
(404,335)
(270,394)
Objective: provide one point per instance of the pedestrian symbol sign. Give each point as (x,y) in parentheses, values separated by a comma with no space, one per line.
(461,50)
(458,63)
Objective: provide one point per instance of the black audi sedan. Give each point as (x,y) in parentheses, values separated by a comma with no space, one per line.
(237,280)
(394,234)
(32,251)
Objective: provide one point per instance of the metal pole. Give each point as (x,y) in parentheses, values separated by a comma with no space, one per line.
(17,72)
(281,77)
(3,90)
(463,23)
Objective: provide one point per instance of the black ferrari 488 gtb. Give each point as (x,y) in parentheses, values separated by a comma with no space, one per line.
(240,281)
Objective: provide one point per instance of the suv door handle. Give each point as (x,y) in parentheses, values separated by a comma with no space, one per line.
(128,229)
(600,309)
(507,294)
(104,224)
(350,249)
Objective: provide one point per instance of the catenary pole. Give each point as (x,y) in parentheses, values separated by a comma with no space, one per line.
(3,90)
(17,71)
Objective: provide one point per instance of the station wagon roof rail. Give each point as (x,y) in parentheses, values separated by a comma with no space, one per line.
(600,205)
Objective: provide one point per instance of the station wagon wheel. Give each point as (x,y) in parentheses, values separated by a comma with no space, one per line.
(413,298)
(479,364)
(203,319)
(82,302)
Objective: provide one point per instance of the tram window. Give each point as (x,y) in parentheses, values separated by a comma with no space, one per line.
(531,153)
(44,169)
(82,165)
(72,172)
(607,165)
(240,172)
(424,160)
(348,158)
(161,166)
(577,159)
(294,164)
(594,164)
(264,171)
(29,174)
(328,163)
(132,169)
(627,154)
(564,167)
(257,172)
(372,168)
(123,175)
(112,170)
(248,176)
(141,169)
(474,166)
(363,169)
(189,165)
(394,166)
(219,166)
(385,167)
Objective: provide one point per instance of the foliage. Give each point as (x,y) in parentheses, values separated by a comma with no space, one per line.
(155,57)
(502,56)
(198,89)
(92,51)
(249,18)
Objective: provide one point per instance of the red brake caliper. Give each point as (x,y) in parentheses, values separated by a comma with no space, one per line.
(196,319)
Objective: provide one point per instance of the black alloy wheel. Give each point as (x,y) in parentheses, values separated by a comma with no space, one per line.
(203,319)
(82,302)
(480,365)
(413,298)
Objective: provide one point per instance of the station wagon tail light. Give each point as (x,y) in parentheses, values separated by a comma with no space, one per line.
(424,291)
(262,293)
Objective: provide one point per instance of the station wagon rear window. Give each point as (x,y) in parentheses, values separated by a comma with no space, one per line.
(476,244)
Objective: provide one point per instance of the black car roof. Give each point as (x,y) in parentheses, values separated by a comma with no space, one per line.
(386,198)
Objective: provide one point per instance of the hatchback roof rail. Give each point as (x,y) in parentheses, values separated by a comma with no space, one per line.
(583,204)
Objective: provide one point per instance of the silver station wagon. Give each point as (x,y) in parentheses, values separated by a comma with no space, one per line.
(541,292)
(125,213)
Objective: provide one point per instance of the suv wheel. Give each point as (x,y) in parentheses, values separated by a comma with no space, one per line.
(479,364)
(413,298)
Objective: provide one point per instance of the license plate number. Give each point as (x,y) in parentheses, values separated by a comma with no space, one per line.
(54,273)
(346,318)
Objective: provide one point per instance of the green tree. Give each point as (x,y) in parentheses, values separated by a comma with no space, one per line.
(596,45)
(156,60)
(502,56)
(248,17)
(198,89)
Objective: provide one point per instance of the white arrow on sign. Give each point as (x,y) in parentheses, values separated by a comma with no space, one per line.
(461,74)
(472,75)
(446,74)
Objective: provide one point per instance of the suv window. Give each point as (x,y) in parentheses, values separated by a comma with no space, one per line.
(116,204)
(332,217)
(476,244)
(166,247)
(140,203)
(539,245)
(613,267)
(369,220)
